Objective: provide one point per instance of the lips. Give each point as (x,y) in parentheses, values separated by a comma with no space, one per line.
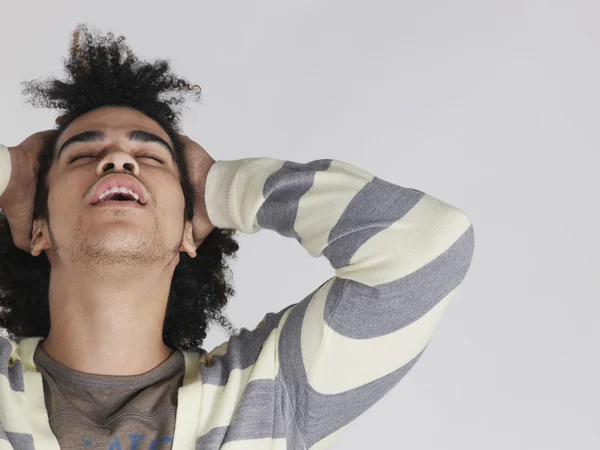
(126,181)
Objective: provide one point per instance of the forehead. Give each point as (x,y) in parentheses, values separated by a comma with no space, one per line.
(113,121)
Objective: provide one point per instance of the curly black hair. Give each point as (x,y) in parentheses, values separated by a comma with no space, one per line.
(105,72)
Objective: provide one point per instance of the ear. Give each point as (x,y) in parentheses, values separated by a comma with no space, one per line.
(39,238)
(187,245)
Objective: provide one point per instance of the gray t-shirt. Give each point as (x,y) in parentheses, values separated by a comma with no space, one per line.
(111,412)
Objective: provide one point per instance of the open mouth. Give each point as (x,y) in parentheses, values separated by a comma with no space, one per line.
(120,200)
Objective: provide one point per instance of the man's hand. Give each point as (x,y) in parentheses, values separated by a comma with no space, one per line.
(19,197)
(198,162)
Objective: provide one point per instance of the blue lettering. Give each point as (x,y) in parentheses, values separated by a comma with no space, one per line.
(116,445)
(155,443)
(135,440)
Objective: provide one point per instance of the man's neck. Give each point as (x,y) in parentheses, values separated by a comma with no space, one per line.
(108,328)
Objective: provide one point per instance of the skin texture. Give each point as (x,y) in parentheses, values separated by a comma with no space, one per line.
(111,267)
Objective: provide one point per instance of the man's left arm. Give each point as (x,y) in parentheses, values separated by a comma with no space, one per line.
(399,256)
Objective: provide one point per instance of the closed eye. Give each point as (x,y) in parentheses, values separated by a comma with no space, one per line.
(85,155)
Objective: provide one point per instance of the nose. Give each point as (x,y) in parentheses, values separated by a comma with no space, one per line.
(119,161)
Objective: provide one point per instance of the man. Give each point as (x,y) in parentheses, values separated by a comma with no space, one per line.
(104,377)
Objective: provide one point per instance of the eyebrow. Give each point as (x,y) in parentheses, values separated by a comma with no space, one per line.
(97,135)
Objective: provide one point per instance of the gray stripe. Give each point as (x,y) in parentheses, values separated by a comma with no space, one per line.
(359,311)
(20,441)
(248,423)
(320,415)
(14,373)
(242,351)
(282,193)
(212,439)
(374,208)
(251,420)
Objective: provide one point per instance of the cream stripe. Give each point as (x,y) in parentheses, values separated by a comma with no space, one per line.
(42,434)
(13,408)
(415,245)
(342,355)
(314,326)
(43,437)
(5,445)
(266,366)
(220,402)
(234,192)
(276,335)
(27,349)
(189,399)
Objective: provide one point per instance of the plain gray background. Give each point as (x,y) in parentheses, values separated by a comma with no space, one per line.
(490,106)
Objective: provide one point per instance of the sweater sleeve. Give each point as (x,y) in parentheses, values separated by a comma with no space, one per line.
(5,168)
(399,256)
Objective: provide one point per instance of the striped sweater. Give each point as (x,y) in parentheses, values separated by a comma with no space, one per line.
(307,372)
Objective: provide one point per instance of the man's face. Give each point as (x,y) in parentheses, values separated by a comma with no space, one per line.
(102,235)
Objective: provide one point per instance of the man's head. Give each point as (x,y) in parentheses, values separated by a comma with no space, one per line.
(112,92)
(79,231)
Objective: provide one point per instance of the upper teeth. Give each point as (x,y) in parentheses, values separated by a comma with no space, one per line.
(121,190)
